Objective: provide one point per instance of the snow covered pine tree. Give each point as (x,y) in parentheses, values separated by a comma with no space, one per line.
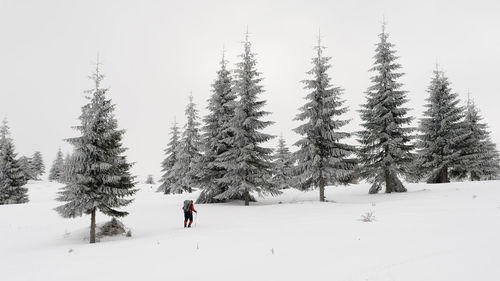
(183,176)
(322,158)
(217,136)
(67,172)
(25,163)
(479,158)
(442,133)
(103,180)
(167,165)
(150,179)
(57,167)
(386,147)
(248,164)
(37,164)
(12,178)
(282,165)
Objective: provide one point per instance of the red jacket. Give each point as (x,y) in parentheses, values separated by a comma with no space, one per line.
(191,208)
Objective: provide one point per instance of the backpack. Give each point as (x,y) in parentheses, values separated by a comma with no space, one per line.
(187,206)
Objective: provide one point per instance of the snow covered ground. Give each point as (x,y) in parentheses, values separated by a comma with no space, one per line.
(433,232)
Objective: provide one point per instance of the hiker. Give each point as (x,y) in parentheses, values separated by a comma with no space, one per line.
(188,209)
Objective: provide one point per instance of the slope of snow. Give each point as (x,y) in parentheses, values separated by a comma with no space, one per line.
(433,232)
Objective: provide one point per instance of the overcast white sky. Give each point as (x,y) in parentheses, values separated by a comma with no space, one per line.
(156,52)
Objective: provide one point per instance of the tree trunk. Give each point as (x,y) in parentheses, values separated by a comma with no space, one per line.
(321,190)
(474,176)
(397,185)
(388,186)
(444,175)
(92,226)
(247,198)
(374,189)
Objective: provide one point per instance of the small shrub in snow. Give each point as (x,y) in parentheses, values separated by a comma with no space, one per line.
(129,233)
(111,228)
(368,217)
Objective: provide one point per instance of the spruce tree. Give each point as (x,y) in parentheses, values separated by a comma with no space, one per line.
(216,136)
(57,167)
(150,180)
(490,170)
(247,163)
(102,178)
(38,165)
(186,169)
(385,151)
(282,165)
(479,156)
(323,157)
(171,158)
(442,133)
(67,171)
(25,163)
(12,178)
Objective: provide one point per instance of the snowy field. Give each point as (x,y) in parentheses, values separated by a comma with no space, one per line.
(433,232)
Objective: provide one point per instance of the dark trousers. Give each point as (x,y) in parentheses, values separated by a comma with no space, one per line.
(188,216)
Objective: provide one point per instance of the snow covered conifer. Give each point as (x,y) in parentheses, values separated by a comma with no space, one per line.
(386,149)
(57,167)
(490,169)
(168,163)
(282,165)
(12,178)
(216,136)
(322,157)
(102,179)
(247,163)
(186,169)
(150,180)
(67,171)
(479,157)
(37,164)
(27,167)
(442,132)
